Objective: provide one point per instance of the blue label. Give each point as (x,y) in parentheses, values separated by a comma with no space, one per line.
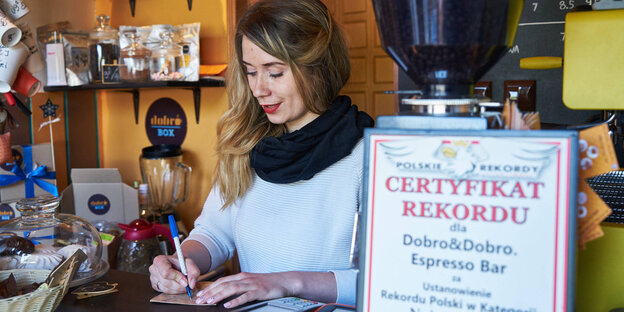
(98,204)
(6,212)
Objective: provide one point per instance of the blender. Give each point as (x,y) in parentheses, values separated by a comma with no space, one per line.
(167,179)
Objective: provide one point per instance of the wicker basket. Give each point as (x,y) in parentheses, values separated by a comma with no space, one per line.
(42,300)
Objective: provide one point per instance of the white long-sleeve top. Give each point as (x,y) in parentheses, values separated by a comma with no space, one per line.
(303,226)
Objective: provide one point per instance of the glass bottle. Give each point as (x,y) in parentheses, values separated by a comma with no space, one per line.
(136,59)
(145,211)
(103,47)
(167,60)
(55,59)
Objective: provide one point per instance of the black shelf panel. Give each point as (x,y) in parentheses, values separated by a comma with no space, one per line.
(134,88)
(140,85)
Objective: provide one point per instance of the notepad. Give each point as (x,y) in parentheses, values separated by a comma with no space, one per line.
(182,298)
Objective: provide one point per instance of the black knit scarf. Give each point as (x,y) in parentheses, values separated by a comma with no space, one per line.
(301,154)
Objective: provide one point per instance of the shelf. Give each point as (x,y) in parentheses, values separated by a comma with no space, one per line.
(134,87)
(140,85)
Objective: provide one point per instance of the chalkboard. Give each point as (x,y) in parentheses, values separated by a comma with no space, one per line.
(540,33)
(110,73)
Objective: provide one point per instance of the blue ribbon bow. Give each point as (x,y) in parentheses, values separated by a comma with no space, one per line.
(30,176)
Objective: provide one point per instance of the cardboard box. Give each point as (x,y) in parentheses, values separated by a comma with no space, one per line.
(98,194)
(30,178)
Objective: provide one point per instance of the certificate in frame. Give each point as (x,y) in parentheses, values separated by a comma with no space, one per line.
(468,220)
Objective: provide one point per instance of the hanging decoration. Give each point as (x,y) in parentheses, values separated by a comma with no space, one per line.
(49,111)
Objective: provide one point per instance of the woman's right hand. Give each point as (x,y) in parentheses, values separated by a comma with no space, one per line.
(166,277)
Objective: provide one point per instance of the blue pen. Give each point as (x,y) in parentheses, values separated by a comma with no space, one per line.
(176,241)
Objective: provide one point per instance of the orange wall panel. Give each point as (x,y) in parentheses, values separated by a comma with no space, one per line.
(122,139)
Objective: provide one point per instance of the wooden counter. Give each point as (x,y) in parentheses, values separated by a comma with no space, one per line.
(134,295)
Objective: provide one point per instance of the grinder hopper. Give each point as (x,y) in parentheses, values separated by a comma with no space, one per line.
(444,46)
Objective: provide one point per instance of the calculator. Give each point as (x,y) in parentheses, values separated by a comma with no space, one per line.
(287,304)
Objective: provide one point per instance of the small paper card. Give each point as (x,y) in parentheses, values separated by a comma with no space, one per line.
(596,156)
(183,297)
(596,152)
(591,208)
(110,73)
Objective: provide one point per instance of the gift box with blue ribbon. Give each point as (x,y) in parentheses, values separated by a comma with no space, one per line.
(31,173)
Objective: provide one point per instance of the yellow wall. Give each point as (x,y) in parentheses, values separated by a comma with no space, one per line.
(211,14)
(79,13)
(122,140)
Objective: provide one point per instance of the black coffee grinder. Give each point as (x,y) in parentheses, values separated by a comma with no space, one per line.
(444,47)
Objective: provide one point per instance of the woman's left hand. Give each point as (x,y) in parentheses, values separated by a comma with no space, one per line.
(250,287)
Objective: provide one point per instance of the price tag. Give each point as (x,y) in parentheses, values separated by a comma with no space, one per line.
(110,73)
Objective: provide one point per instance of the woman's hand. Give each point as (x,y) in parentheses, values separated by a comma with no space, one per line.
(320,286)
(250,287)
(166,277)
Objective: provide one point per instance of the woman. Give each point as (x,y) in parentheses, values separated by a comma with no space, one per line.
(289,171)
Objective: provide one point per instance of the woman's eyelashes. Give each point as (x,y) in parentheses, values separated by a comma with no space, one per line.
(272,75)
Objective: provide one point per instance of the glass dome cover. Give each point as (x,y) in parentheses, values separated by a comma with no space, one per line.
(167,59)
(136,58)
(42,238)
(167,47)
(135,47)
(103,31)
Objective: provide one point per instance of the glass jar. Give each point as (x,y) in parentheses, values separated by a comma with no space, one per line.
(135,58)
(42,238)
(103,48)
(140,245)
(167,60)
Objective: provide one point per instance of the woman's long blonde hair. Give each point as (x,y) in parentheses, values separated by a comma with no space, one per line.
(305,36)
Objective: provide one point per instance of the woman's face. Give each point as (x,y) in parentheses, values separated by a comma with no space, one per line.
(272,83)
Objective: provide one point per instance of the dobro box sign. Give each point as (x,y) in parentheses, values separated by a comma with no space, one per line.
(165,122)
(468,221)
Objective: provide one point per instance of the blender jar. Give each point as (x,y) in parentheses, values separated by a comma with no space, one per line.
(167,61)
(103,47)
(135,58)
(42,238)
(168,179)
